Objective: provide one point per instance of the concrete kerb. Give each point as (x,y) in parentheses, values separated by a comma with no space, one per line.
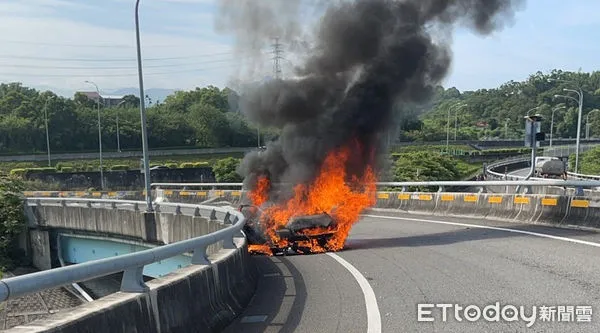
(200,298)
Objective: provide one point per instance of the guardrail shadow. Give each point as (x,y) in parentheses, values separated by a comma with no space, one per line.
(467,234)
(274,298)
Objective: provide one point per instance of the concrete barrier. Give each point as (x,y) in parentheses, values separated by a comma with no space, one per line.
(200,298)
(556,206)
(533,208)
(128,223)
(160,227)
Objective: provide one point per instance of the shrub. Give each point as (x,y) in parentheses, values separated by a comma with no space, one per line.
(200,164)
(67,169)
(172,165)
(61,165)
(40,170)
(18,172)
(12,220)
(119,167)
(186,165)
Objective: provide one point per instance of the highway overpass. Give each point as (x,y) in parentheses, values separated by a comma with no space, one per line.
(469,249)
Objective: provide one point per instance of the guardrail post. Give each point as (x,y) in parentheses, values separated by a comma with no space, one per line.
(136,207)
(113,205)
(133,280)
(440,189)
(226,220)
(88,204)
(178,210)
(63,203)
(199,257)
(197,211)
(213,214)
(157,208)
(38,202)
(403,189)
(228,242)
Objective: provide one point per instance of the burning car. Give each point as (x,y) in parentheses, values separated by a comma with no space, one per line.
(302,234)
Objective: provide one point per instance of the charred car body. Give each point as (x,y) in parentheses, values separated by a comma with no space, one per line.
(299,234)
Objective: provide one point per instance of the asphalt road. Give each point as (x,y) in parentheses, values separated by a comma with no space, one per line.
(410,259)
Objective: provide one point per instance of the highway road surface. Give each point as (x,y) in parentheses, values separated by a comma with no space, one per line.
(394,262)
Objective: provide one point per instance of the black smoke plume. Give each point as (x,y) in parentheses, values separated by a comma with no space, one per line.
(367,56)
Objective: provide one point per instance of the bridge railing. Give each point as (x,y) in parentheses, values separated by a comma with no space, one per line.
(132,264)
(583,176)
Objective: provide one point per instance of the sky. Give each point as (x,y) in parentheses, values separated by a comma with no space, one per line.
(59,44)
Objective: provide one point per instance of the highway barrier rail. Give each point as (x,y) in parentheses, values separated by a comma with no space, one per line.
(131,264)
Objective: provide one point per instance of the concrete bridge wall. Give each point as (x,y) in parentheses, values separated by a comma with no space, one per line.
(202,298)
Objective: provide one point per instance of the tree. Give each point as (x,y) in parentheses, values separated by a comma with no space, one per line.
(225,170)
(12,220)
(131,101)
(212,128)
(425,166)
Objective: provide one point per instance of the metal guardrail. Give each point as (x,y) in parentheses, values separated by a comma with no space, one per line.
(131,264)
(442,184)
(582,176)
(547,182)
(213,185)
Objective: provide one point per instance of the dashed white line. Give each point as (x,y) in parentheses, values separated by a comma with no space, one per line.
(373,315)
(531,233)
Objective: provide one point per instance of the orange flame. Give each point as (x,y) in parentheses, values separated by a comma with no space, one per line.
(261,249)
(331,192)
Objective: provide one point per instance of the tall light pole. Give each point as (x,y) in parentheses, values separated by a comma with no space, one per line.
(579,116)
(143,111)
(587,123)
(118,140)
(506,128)
(460,107)
(552,123)
(47,133)
(99,136)
(448,132)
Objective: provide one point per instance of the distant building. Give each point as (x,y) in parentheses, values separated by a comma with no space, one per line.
(106,100)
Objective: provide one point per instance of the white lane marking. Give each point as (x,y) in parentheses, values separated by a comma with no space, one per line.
(531,233)
(373,315)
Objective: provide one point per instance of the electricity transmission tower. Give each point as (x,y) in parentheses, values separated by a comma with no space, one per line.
(277,56)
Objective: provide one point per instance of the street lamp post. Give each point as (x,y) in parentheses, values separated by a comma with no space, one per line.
(579,117)
(47,133)
(552,123)
(448,132)
(118,139)
(587,124)
(143,112)
(99,136)
(535,108)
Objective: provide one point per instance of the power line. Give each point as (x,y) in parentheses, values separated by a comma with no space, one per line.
(118,67)
(89,45)
(117,75)
(111,59)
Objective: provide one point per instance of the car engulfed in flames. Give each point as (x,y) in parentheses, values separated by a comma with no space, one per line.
(302,234)
(317,217)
